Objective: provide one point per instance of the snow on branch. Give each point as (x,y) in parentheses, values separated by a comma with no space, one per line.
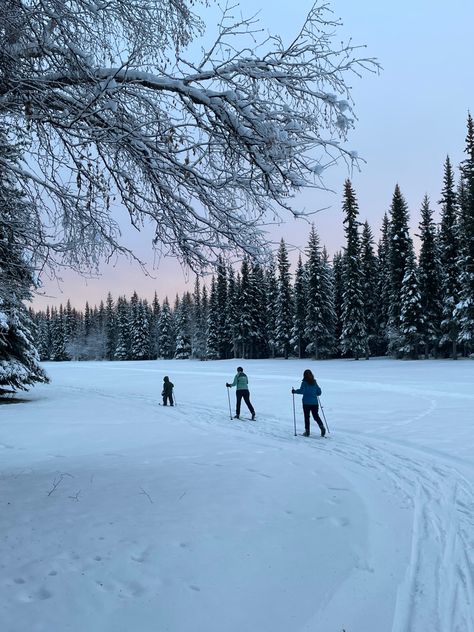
(113,113)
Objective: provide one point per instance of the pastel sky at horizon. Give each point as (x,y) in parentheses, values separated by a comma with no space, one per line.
(410,117)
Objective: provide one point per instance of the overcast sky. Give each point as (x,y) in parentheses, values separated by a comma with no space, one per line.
(409,118)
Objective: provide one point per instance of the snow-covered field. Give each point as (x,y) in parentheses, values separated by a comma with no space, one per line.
(119,515)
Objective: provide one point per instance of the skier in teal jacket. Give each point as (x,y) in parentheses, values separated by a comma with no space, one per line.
(242,383)
(310,390)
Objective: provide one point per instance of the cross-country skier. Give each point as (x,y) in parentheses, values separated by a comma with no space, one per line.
(242,384)
(167,391)
(310,390)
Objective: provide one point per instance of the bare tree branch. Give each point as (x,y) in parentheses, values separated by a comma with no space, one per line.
(112,114)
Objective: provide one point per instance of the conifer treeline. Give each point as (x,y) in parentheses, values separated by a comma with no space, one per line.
(370,300)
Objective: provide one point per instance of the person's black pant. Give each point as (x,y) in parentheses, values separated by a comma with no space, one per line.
(167,397)
(313,410)
(246,395)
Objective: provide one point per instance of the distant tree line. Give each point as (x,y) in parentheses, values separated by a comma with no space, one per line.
(370,300)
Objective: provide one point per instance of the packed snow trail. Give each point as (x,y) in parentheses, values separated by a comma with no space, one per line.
(424,475)
(438,588)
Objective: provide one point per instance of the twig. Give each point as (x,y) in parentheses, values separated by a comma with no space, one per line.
(57,481)
(146,494)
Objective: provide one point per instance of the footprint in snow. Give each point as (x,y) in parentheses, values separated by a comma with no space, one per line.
(340,522)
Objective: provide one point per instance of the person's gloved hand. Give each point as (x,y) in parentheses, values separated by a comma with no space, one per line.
(227,384)
(293,391)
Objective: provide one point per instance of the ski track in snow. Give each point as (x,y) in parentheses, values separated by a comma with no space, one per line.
(438,587)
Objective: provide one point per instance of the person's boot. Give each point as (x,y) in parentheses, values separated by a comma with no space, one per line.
(305,433)
(236,416)
(253,416)
(323,431)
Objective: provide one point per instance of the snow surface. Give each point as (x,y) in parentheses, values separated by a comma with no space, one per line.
(120,515)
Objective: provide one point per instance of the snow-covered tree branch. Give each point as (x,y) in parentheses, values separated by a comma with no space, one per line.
(203,149)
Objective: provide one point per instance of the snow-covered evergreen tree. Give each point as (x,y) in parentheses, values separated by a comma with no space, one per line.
(328,341)
(429,279)
(370,281)
(246,302)
(205,319)
(139,329)
(259,312)
(271,288)
(58,339)
(233,310)
(223,331)
(43,338)
(383,287)
(411,323)
(182,328)
(338,289)
(197,323)
(320,317)
(298,340)
(353,335)
(464,310)
(19,360)
(166,338)
(123,347)
(449,252)
(110,328)
(400,250)
(284,302)
(212,343)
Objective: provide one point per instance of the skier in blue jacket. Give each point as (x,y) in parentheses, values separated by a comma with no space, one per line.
(242,383)
(310,390)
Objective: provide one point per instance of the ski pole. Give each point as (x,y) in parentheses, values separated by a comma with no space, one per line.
(294,413)
(174,398)
(228,397)
(324,416)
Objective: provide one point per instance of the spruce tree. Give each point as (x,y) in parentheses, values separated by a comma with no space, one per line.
(284,302)
(212,343)
(411,323)
(123,347)
(298,340)
(464,310)
(197,324)
(58,338)
(353,336)
(400,250)
(182,328)
(383,288)
(320,316)
(233,309)
(370,280)
(110,328)
(259,312)
(166,340)
(448,252)
(223,333)
(246,301)
(139,329)
(337,275)
(429,278)
(328,341)
(271,288)
(19,360)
